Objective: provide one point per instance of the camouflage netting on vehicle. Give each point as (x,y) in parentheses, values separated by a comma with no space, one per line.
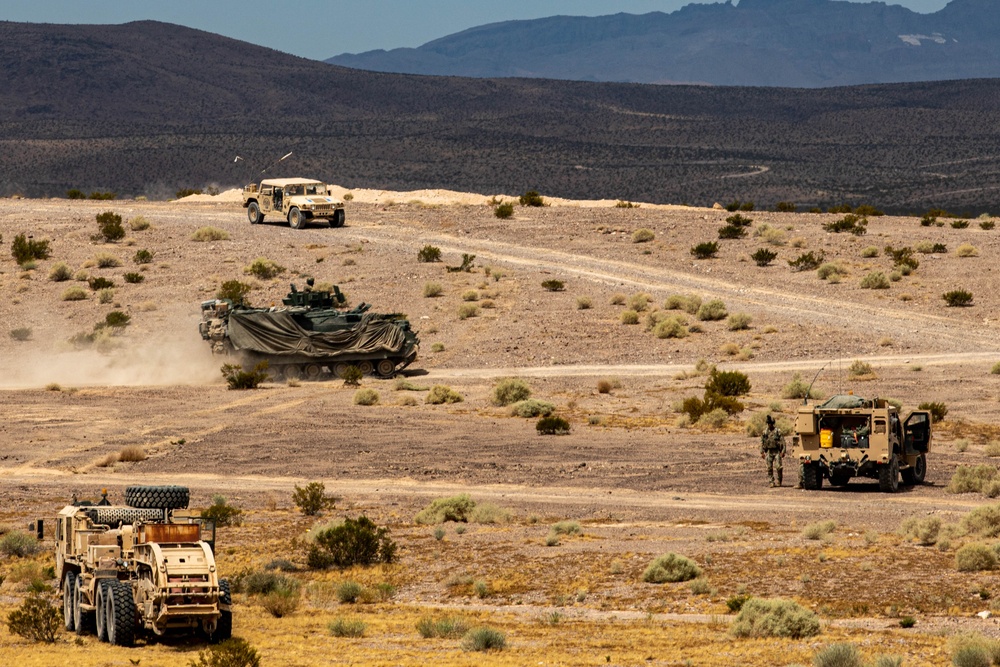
(843,402)
(279,334)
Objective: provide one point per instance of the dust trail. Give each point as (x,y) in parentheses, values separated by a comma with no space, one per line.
(146,359)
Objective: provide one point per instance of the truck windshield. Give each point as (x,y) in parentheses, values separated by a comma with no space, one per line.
(315,189)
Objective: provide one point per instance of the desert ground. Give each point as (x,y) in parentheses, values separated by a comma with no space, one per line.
(637,477)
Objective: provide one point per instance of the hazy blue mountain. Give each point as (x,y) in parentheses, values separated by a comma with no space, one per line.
(790,43)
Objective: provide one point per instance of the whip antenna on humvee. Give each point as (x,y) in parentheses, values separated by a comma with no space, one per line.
(805,399)
(283,157)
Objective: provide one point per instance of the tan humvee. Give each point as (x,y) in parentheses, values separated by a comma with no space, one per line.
(298,200)
(849,436)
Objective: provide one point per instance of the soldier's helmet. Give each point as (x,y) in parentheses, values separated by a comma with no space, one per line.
(770,421)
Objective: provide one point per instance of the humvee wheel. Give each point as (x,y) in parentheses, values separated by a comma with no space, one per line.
(366,367)
(812,477)
(224,626)
(296,218)
(101,603)
(888,475)
(254,214)
(915,474)
(385,368)
(69,588)
(157,497)
(120,614)
(338,218)
(82,620)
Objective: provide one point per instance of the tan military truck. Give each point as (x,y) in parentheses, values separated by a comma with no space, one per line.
(849,436)
(144,567)
(298,200)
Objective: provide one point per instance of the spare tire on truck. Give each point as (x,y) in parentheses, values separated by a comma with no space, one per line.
(158,497)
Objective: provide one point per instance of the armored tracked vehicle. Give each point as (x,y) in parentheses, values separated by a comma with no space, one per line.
(849,436)
(311,336)
(298,200)
(147,566)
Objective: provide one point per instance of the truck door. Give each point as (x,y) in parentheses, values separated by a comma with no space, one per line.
(266,192)
(917,433)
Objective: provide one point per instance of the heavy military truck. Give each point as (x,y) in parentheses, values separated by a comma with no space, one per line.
(311,336)
(297,200)
(849,436)
(147,566)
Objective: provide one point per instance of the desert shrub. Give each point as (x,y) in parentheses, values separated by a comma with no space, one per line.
(730,232)
(838,655)
(353,542)
(971,479)
(705,250)
(284,599)
(429,253)
(19,544)
(643,235)
(902,257)
(234,291)
(510,390)
(629,317)
(816,531)
(857,225)
(186,192)
(237,378)
(75,193)
(312,499)
(671,327)
(233,652)
(100,282)
(984,521)
(437,347)
(625,204)
(347,627)
(504,211)
(806,261)
(618,300)
(671,567)
(210,234)
(465,266)
(868,210)
(975,557)
(133,278)
(959,224)
(455,508)
(785,207)
(735,603)
(366,397)
(264,268)
(484,639)
(727,383)
(349,591)
(775,618)
(875,280)
(470,295)
(713,310)
(440,394)
(467,310)
(689,303)
(60,273)
(138,224)
(938,410)
(446,627)
(870,252)
(639,302)
(798,388)
(584,303)
(36,619)
(24,249)
(132,454)
(552,425)
(74,294)
(714,418)
(957,298)
(553,285)
(102,196)
(352,376)
(222,513)
(738,321)
(830,269)
(992,450)
(532,408)
(432,290)
(738,220)
(143,256)
(763,257)
(859,368)
(967,250)
(20,334)
(109,227)
(770,235)
(923,530)
(995,370)
(972,656)
(531,198)
(987,224)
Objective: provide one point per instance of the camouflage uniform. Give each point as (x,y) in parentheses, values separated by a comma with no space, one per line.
(772,449)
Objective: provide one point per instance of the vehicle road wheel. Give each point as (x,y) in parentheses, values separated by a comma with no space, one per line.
(224,626)
(69,594)
(120,614)
(82,620)
(292,373)
(888,475)
(915,474)
(812,477)
(101,603)
(338,218)
(157,497)
(366,367)
(386,368)
(254,214)
(296,218)
(339,369)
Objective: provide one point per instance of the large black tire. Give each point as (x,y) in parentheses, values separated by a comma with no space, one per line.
(101,603)
(812,477)
(916,473)
(68,590)
(224,626)
(888,475)
(296,218)
(385,368)
(338,218)
(120,616)
(83,621)
(254,214)
(160,497)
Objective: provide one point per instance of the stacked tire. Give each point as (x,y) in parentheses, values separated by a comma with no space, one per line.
(157,497)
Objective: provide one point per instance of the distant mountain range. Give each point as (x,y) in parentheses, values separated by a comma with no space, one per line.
(150,108)
(788,43)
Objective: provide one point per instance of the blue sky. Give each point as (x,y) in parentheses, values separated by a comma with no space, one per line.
(320,29)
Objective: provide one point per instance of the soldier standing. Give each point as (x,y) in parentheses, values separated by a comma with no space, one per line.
(772,449)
